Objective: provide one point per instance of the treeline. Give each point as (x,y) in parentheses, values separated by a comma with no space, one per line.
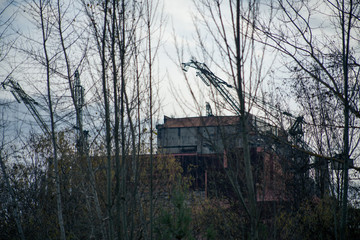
(102,178)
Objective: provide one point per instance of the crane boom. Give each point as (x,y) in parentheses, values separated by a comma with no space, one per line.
(209,78)
(21,96)
(29,102)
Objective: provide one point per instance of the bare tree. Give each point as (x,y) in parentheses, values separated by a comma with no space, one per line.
(5,176)
(68,43)
(126,60)
(227,41)
(42,17)
(119,49)
(311,45)
(43,7)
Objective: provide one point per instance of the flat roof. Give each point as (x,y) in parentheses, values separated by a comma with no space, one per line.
(203,121)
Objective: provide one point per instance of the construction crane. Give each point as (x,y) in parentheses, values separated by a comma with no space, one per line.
(29,102)
(79,99)
(21,96)
(209,78)
(295,131)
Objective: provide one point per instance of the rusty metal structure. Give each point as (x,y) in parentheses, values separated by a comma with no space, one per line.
(208,145)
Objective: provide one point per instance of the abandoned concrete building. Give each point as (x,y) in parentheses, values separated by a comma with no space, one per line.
(208,134)
(210,147)
(207,145)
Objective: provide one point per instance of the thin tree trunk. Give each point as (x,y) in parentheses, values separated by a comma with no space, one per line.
(244,132)
(346,27)
(122,122)
(52,122)
(134,166)
(107,125)
(117,120)
(135,148)
(82,149)
(148,12)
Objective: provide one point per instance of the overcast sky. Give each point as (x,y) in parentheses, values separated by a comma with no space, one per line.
(179,24)
(174,95)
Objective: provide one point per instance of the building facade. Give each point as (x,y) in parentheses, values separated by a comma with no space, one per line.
(201,135)
(208,145)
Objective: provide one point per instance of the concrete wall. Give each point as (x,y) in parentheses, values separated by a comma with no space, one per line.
(202,140)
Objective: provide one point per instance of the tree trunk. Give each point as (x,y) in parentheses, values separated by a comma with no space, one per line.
(346,28)
(107,125)
(52,122)
(244,132)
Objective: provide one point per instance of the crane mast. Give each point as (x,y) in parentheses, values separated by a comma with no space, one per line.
(79,99)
